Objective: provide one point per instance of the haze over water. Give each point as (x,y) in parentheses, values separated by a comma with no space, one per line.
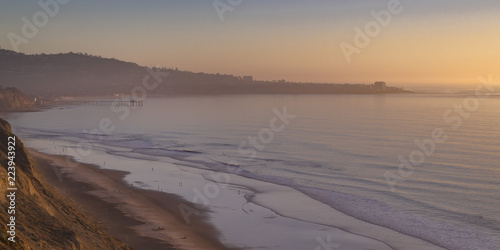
(337,149)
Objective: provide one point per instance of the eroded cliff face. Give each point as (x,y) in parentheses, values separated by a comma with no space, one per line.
(43,218)
(12,99)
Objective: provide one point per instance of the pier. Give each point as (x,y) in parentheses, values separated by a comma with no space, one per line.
(104,103)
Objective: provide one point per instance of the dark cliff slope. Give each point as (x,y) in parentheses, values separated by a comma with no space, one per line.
(43,219)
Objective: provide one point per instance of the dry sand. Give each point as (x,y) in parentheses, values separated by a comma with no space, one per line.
(128,213)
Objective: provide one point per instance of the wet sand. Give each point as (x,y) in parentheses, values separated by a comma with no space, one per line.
(133,215)
(144,219)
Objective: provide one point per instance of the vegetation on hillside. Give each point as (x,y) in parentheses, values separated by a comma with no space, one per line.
(81,74)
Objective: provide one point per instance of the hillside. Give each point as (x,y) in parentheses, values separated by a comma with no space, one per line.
(66,74)
(78,74)
(43,219)
(11,99)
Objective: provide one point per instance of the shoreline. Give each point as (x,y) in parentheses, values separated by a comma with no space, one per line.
(143,219)
(352,233)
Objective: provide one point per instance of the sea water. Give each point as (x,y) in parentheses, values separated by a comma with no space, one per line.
(342,150)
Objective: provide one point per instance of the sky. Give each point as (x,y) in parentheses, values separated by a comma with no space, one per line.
(419,42)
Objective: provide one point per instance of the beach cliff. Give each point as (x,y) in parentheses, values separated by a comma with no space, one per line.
(39,217)
(11,99)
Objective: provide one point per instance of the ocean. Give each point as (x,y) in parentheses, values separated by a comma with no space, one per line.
(426,165)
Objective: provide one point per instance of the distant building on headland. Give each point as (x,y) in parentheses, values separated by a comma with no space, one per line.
(248,78)
(380,85)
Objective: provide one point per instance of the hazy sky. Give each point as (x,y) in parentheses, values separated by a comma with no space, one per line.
(438,41)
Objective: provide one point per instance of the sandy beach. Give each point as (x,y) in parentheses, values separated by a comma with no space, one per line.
(143,219)
(148,219)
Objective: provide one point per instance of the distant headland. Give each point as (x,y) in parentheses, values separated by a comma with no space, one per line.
(75,74)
